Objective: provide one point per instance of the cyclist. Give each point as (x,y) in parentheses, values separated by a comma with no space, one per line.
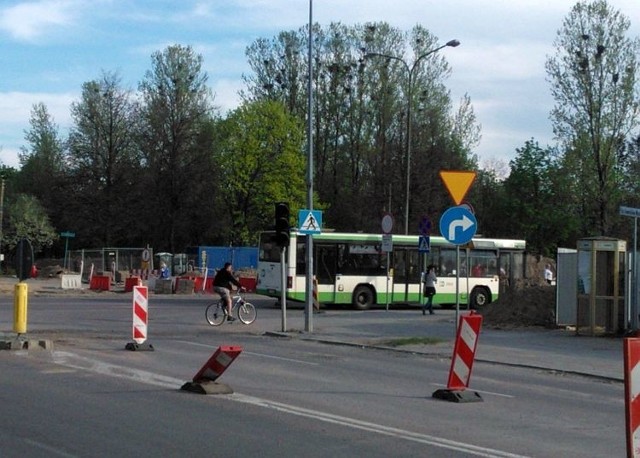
(223,283)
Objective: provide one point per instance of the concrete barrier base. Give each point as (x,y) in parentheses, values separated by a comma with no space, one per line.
(22,344)
(457,395)
(206,387)
(134,346)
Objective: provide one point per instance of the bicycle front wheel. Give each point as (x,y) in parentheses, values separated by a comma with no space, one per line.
(247,313)
(215,314)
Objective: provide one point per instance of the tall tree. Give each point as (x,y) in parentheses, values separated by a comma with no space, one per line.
(28,219)
(593,81)
(103,163)
(177,108)
(261,161)
(42,163)
(538,197)
(360,122)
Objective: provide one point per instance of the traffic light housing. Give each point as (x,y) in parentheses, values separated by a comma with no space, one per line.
(282,224)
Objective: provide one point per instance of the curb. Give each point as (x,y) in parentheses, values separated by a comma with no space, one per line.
(436,355)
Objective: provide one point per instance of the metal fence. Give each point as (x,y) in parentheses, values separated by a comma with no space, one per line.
(112,260)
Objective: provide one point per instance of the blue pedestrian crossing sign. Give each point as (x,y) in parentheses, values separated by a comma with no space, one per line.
(309,222)
(424,244)
(458,225)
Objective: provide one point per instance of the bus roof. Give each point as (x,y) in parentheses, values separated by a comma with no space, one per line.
(480,242)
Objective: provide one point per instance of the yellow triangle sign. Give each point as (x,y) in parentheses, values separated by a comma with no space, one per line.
(457,183)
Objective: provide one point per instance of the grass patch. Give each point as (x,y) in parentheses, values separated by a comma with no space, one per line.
(411,341)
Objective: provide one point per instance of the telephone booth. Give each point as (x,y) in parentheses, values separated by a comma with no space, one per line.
(601,286)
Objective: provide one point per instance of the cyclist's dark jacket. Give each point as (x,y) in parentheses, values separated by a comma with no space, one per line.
(225,279)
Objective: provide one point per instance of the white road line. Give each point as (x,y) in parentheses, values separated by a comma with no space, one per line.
(48,449)
(68,359)
(372,427)
(262,355)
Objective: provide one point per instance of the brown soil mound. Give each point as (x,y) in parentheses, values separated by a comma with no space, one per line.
(529,302)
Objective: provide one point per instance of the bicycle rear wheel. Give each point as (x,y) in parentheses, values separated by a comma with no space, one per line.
(247,313)
(215,314)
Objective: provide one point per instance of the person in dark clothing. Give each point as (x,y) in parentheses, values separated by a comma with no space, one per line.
(223,284)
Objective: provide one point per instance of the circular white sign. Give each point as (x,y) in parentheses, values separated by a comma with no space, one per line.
(387,223)
(146,256)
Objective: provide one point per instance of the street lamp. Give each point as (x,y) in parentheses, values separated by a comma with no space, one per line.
(410,70)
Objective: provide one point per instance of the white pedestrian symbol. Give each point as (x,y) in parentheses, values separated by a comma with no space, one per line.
(310,223)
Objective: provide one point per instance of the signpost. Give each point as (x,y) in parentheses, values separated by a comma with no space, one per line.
(387,244)
(67,235)
(458,224)
(633,306)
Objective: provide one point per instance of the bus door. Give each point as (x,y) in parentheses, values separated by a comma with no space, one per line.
(326,262)
(406,275)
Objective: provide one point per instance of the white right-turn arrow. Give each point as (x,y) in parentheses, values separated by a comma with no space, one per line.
(464,223)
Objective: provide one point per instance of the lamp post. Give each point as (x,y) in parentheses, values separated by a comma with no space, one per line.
(410,70)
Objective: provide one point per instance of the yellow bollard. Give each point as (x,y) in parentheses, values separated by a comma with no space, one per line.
(20,308)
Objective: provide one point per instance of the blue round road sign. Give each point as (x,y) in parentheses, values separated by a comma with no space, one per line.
(458,225)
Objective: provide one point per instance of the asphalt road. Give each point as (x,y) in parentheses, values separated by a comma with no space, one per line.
(294,395)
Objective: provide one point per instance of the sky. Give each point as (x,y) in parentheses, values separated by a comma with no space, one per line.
(49,48)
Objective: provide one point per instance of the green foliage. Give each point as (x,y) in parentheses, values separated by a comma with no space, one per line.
(176,143)
(28,219)
(360,119)
(533,199)
(593,81)
(261,161)
(102,163)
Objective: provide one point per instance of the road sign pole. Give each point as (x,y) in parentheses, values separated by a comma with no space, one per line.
(634,289)
(457,286)
(387,295)
(283,290)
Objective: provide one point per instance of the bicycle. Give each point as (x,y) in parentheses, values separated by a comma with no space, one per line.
(216,312)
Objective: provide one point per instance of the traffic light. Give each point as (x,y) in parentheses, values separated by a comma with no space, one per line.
(282,224)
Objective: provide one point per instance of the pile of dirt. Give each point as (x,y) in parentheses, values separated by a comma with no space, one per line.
(528,302)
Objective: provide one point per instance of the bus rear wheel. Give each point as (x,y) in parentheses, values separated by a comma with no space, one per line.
(480,297)
(363,297)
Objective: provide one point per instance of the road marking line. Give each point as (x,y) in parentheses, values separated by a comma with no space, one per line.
(372,427)
(73,360)
(48,448)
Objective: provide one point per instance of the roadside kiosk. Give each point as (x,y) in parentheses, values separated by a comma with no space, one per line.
(601,286)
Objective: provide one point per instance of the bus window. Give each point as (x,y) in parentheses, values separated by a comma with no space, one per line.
(326,261)
(399,266)
(414,270)
(448,263)
(356,259)
(269,249)
(483,263)
(301,256)
(505,267)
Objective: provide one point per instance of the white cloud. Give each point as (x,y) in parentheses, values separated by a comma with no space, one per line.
(28,21)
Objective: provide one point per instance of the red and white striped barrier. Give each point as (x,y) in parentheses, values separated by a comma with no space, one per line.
(204,382)
(140,319)
(632,394)
(464,353)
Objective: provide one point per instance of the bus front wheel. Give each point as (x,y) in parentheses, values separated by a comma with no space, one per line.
(480,297)
(363,297)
